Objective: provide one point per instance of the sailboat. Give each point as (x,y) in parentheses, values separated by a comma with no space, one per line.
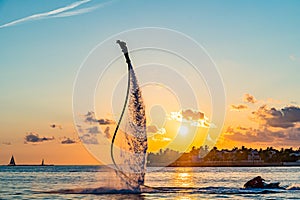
(12,161)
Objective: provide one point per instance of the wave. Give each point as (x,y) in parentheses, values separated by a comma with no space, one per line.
(186,190)
(294,187)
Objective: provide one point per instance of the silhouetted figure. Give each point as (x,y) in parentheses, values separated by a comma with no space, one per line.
(123,46)
(125,51)
(256,182)
(43,162)
(259,182)
(12,161)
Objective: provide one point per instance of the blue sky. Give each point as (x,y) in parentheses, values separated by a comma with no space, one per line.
(258,35)
(255,45)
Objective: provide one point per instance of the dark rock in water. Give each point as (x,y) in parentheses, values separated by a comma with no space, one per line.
(259,182)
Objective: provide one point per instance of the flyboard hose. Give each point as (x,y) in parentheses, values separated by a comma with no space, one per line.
(125,51)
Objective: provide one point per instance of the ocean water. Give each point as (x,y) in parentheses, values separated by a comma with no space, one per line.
(96,182)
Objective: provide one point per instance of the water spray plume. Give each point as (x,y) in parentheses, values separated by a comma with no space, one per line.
(133,168)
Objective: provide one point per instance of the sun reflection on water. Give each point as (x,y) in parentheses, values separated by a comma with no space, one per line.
(185,198)
(184,177)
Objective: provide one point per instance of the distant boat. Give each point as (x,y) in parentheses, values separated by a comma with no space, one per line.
(12,161)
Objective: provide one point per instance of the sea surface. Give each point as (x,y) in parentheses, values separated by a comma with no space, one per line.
(95,182)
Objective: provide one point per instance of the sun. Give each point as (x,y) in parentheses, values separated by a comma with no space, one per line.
(183,130)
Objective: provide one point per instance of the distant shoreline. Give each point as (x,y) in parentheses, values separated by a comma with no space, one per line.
(229,164)
(27,165)
(170,165)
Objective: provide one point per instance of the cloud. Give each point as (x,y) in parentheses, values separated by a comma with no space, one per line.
(248,98)
(156,130)
(193,117)
(93,130)
(46,14)
(292,57)
(76,12)
(89,139)
(249,135)
(157,134)
(283,118)
(79,128)
(56,126)
(107,132)
(265,135)
(160,138)
(68,141)
(275,125)
(152,129)
(90,117)
(59,12)
(105,121)
(33,138)
(239,107)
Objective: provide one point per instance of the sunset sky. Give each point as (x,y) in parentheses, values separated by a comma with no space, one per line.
(254,44)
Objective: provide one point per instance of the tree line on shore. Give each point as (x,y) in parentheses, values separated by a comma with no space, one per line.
(269,155)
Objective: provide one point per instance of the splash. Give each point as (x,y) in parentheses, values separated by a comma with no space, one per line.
(131,168)
(293,187)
